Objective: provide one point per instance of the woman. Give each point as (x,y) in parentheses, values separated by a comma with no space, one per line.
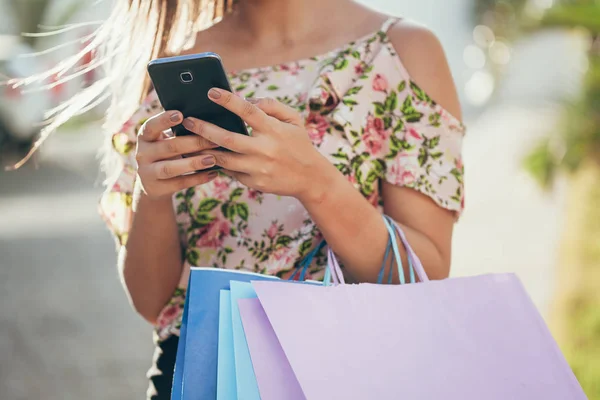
(354,114)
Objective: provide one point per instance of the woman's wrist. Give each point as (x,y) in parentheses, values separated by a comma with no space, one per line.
(139,196)
(323,179)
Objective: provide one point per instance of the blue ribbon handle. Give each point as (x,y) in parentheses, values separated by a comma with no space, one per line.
(307,261)
(391,227)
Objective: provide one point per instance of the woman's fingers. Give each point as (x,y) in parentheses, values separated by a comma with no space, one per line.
(177,146)
(233,161)
(188,181)
(174,168)
(219,136)
(278,110)
(153,128)
(252,115)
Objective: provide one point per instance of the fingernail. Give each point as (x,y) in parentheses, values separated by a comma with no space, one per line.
(252,100)
(175,117)
(209,161)
(214,94)
(212,175)
(188,124)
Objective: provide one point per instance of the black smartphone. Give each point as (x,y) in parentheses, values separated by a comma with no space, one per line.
(182,83)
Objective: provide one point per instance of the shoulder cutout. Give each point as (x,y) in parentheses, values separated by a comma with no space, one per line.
(421,53)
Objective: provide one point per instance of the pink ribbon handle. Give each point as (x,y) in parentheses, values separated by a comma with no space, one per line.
(334,275)
(416,262)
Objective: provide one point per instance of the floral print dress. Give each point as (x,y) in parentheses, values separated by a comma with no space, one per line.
(362,112)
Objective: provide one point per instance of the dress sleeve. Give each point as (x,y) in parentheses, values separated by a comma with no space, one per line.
(415,141)
(116,202)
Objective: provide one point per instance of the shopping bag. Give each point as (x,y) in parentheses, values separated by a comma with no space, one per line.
(195,376)
(269,361)
(247,388)
(244,376)
(226,385)
(463,338)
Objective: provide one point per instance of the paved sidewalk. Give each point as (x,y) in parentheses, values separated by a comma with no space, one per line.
(66,329)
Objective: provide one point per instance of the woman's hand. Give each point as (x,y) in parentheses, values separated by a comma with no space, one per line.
(278,158)
(161,167)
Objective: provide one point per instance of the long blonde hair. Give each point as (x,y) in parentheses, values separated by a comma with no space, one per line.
(135,32)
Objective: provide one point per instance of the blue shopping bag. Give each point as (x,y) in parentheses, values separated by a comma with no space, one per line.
(195,376)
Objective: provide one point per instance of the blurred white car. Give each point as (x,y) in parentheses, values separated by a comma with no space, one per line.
(22,109)
(20,113)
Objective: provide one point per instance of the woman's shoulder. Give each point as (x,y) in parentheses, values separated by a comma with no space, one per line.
(421,53)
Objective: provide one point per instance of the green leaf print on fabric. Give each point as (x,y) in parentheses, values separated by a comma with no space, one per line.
(419,93)
(272,88)
(235,194)
(203,218)
(283,241)
(242,210)
(343,63)
(353,91)
(207,205)
(458,175)
(305,246)
(409,111)
(193,256)
(401,86)
(391,102)
(434,120)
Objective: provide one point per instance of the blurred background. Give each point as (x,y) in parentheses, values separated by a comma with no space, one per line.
(528,73)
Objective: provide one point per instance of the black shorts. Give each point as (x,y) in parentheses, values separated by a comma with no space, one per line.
(161,373)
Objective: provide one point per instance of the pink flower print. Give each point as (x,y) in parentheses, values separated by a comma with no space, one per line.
(253,194)
(374,134)
(292,68)
(167,316)
(359,69)
(414,134)
(459,164)
(380,83)
(127,126)
(212,236)
(221,188)
(373,199)
(324,96)
(352,179)
(272,231)
(407,178)
(401,172)
(316,127)
(282,258)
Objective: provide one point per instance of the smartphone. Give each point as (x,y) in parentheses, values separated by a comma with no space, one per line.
(182,83)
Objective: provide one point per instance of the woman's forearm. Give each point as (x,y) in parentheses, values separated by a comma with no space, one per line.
(150,263)
(356,232)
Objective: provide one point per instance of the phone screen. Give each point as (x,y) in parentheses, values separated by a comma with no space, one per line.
(182,83)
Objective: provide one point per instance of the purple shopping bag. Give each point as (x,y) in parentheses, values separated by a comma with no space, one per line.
(463,338)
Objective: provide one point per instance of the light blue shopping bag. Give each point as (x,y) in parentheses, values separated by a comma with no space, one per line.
(226,385)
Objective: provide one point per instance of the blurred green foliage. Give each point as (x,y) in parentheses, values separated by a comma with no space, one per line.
(575,149)
(578,139)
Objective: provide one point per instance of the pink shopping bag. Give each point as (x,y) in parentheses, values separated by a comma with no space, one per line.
(463,338)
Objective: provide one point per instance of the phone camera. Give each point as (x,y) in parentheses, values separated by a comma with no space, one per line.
(186,77)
